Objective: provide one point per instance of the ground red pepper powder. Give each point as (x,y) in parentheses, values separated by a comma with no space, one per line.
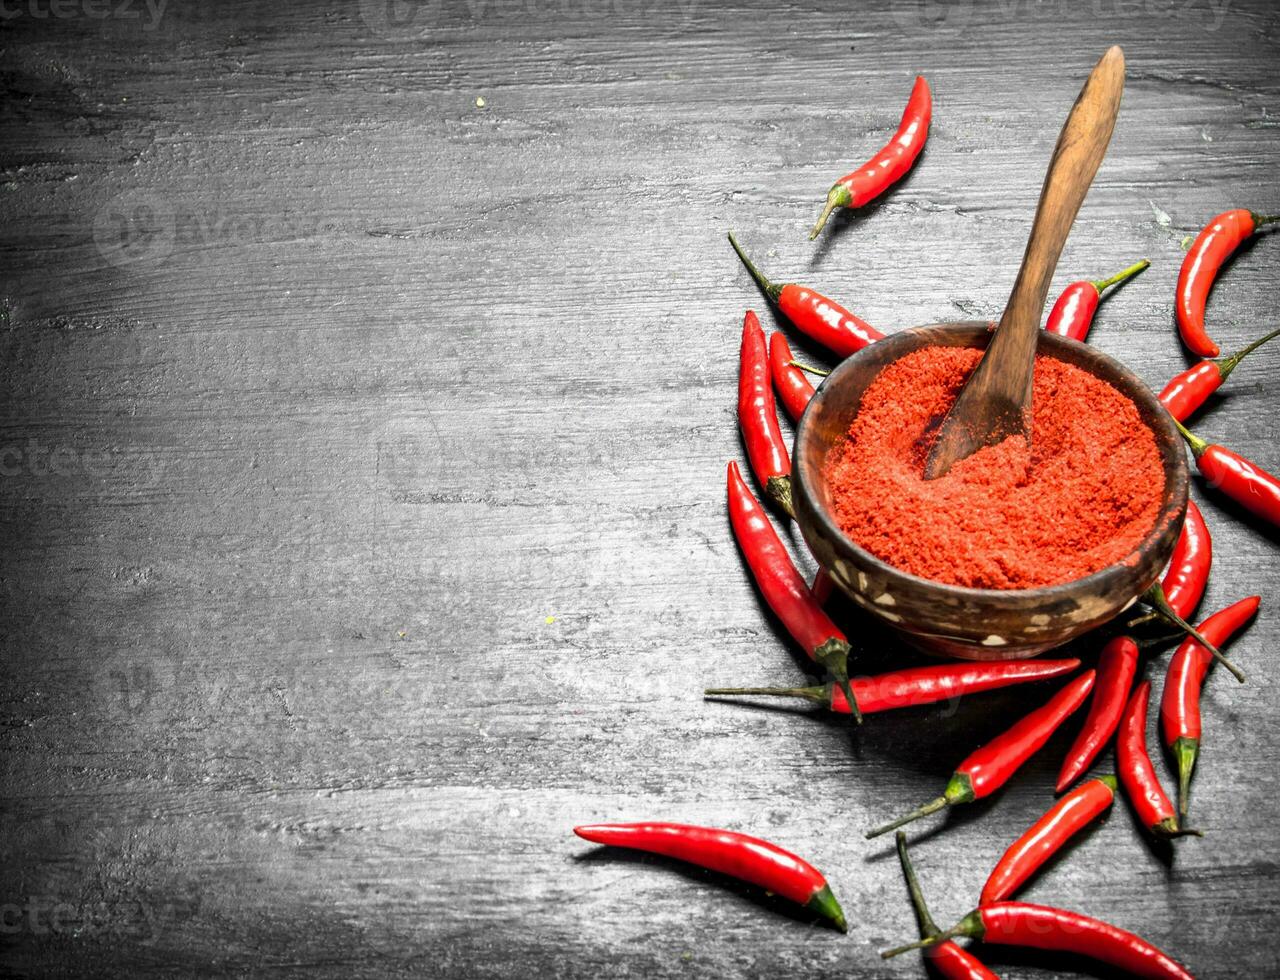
(1081,498)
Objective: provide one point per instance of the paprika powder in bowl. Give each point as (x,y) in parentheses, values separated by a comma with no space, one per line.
(1042,571)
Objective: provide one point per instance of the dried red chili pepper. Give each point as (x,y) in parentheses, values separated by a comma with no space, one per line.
(793,387)
(1180,702)
(823,319)
(1187,391)
(1043,927)
(914,686)
(991,766)
(1072,314)
(1200,267)
(758,417)
(1117,665)
(728,852)
(1138,775)
(1184,582)
(782,586)
(1247,484)
(888,166)
(950,960)
(1045,837)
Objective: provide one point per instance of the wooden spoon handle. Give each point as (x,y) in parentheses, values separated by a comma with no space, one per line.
(1076,158)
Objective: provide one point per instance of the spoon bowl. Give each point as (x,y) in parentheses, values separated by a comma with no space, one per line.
(977,624)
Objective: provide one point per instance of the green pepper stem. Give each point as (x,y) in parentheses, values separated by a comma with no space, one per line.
(1229,363)
(971,926)
(1263,219)
(1198,445)
(1185,751)
(778,488)
(834,655)
(818,695)
(837,197)
(808,368)
(927,926)
(1121,276)
(933,806)
(767,286)
(1155,596)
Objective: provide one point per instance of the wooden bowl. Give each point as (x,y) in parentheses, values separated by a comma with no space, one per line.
(978,624)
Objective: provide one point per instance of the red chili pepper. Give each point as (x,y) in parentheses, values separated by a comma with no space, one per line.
(1138,775)
(758,417)
(1042,927)
(1045,837)
(825,320)
(915,685)
(1117,665)
(1188,572)
(991,766)
(951,961)
(1248,485)
(1187,391)
(782,586)
(1180,702)
(1072,314)
(738,855)
(888,166)
(793,387)
(1212,246)
(822,586)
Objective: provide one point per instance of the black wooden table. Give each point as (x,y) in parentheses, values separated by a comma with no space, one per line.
(368,377)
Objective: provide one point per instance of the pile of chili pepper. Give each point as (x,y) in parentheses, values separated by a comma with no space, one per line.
(1117,693)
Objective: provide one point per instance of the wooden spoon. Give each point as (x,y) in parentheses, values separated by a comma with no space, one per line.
(995,402)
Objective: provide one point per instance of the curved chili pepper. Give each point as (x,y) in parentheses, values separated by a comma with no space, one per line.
(781,585)
(1138,775)
(1180,702)
(1072,314)
(1117,665)
(887,167)
(738,855)
(991,766)
(758,417)
(1043,927)
(914,685)
(1200,267)
(1045,837)
(1184,582)
(951,961)
(1247,484)
(825,320)
(793,387)
(822,586)
(1187,391)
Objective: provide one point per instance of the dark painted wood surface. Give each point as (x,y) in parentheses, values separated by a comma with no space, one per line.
(363,465)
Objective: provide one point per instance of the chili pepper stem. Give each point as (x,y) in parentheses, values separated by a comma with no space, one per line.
(837,197)
(824,903)
(959,790)
(1155,597)
(1185,751)
(767,286)
(1168,829)
(1228,364)
(927,926)
(779,490)
(1198,445)
(834,655)
(1263,219)
(1121,276)
(818,695)
(808,368)
(970,927)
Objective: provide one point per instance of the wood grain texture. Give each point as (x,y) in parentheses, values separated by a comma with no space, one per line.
(363,454)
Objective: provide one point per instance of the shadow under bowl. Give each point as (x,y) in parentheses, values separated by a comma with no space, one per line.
(977,624)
